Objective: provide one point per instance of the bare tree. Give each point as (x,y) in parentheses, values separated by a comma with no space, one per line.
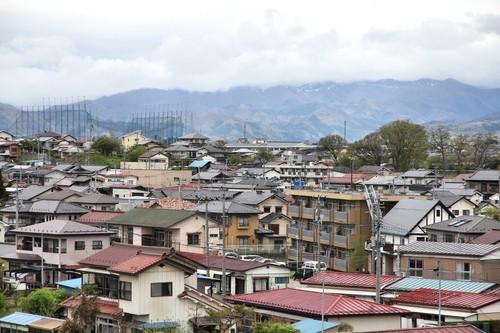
(480,145)
(440,141)
(460,145)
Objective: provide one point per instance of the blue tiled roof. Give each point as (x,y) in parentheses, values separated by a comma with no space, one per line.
(198,164)
(413,283)
(313,326)
(73,283)
(20,318)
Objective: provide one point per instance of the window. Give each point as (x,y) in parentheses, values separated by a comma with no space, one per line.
(242,241)
(243,222)
(50,245)
(456,212)
(267,209)
(161,289)
(464,271)
(214,235)
(278,209)
(281,280)
(96,245)
(466,212)
(420,239)
(126,290)
(193,239)
(449,238)
(415,268)
(438,212)
(433,238)
(130,235)
(80,245)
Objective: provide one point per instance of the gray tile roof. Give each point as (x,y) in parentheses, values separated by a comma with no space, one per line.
(449,249)
(152,217)
(193,136)
(47,207)
(420,173)
(407,213)
(61,227)
(96,198)
(215,207)
(446,197)
(485,175)
(466,224)
(58,195)
(33,191)
(253,198)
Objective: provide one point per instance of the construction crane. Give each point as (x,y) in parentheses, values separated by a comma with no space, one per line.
(373,203)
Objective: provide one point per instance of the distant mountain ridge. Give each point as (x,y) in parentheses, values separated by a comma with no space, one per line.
(309,111)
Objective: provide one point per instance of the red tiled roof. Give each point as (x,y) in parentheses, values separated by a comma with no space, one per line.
(443,329)
(136,264)
(356,280)
(230,264)
(107,307)
(449,299)
(490,237)
(97,217)
(309,303)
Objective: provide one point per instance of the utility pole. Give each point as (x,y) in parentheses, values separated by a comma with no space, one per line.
(223,282)
(438,272)
(373,204)
(317,219)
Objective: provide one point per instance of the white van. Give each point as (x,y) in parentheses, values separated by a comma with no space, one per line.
(314,266)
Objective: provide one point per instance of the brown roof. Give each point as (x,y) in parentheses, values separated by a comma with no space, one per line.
(97,217)
(444,329)
(136,264)
(107,307)
(168,203)
(490,237)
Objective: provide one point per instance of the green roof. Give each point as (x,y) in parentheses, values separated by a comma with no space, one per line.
(152,217)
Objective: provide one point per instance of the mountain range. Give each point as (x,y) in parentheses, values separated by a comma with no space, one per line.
(309,111)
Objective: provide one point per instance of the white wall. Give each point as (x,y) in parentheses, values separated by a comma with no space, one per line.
(462,205)
(371,323)
(270,272)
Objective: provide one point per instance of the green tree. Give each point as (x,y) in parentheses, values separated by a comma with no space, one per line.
(42,301)
(270,327)
(107,145)
(406,144)
(263,156)
(369,150)
(345,327)
(83,317)
(3,193)
(492,213)
(332,145)
(440,142)
(358,259)
(134,153)
(235,160)
(3,303)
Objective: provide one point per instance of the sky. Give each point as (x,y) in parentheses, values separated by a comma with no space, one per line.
(69,49)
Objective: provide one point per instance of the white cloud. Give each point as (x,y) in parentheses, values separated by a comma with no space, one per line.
(95,48)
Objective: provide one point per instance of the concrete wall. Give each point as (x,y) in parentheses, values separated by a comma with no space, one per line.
(159,178)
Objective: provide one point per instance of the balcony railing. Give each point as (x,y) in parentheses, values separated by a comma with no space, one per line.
(308,256)
(340,263)
(340,239)
(308,233)
(325,236)
(293,210)
(293,252)
(293,231)
(340,215)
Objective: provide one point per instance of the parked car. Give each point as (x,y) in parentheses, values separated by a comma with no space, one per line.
(232,255)
(251,257)
(314,266)
(294,265)
(272,261)
(303,273)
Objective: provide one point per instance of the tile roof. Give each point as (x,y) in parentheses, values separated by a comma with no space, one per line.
(231,207)
(168,203)
(309,303)
(466,224)
(61,227)
(485,175)
(32,191)
(449,299)
(20,318)
(346,179)
(162,218)
(230,264)
(489,237)
(273,216)
(350,280)
(442,329)
(59,195)
(136,264)
(193,136)
(452,249)
(448,198)
(97,217)
(104,306)
(254,198)
(96,198)
(405,215)
(414,283)
(418,173)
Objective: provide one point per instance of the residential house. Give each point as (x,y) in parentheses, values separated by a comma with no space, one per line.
(210,176)
(272,233)
(460,261)
(457,204)
(153,159)
(208,151)
(346,181)
(454,306)
(383,170)
(48,139)
(470,194)
(412,283)
(242,277)
(265,201)
(31,323)
(421,177)
(6,136)
(310,173)
(115,177)
(485,181)
(181,154)
(404,224)
(344,224)
(388,183)
(462,229)
(98,219)
(97,201)
(10,150)
(32,192)
(265,173)
(291,305)
(195,139)
(131,139)
(173,228)
(63,195)
(449,328)
(241,222)
(489,237)
(60,244)
(42,211)
(358,285)
(148,285)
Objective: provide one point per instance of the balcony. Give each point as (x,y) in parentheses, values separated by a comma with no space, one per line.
(308,235)
(341,216)
(293,254)
(293,211)
(325,215)
(308,213)
(293,232)
(308,256)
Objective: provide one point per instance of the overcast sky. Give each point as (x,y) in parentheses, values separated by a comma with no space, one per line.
(94,48)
